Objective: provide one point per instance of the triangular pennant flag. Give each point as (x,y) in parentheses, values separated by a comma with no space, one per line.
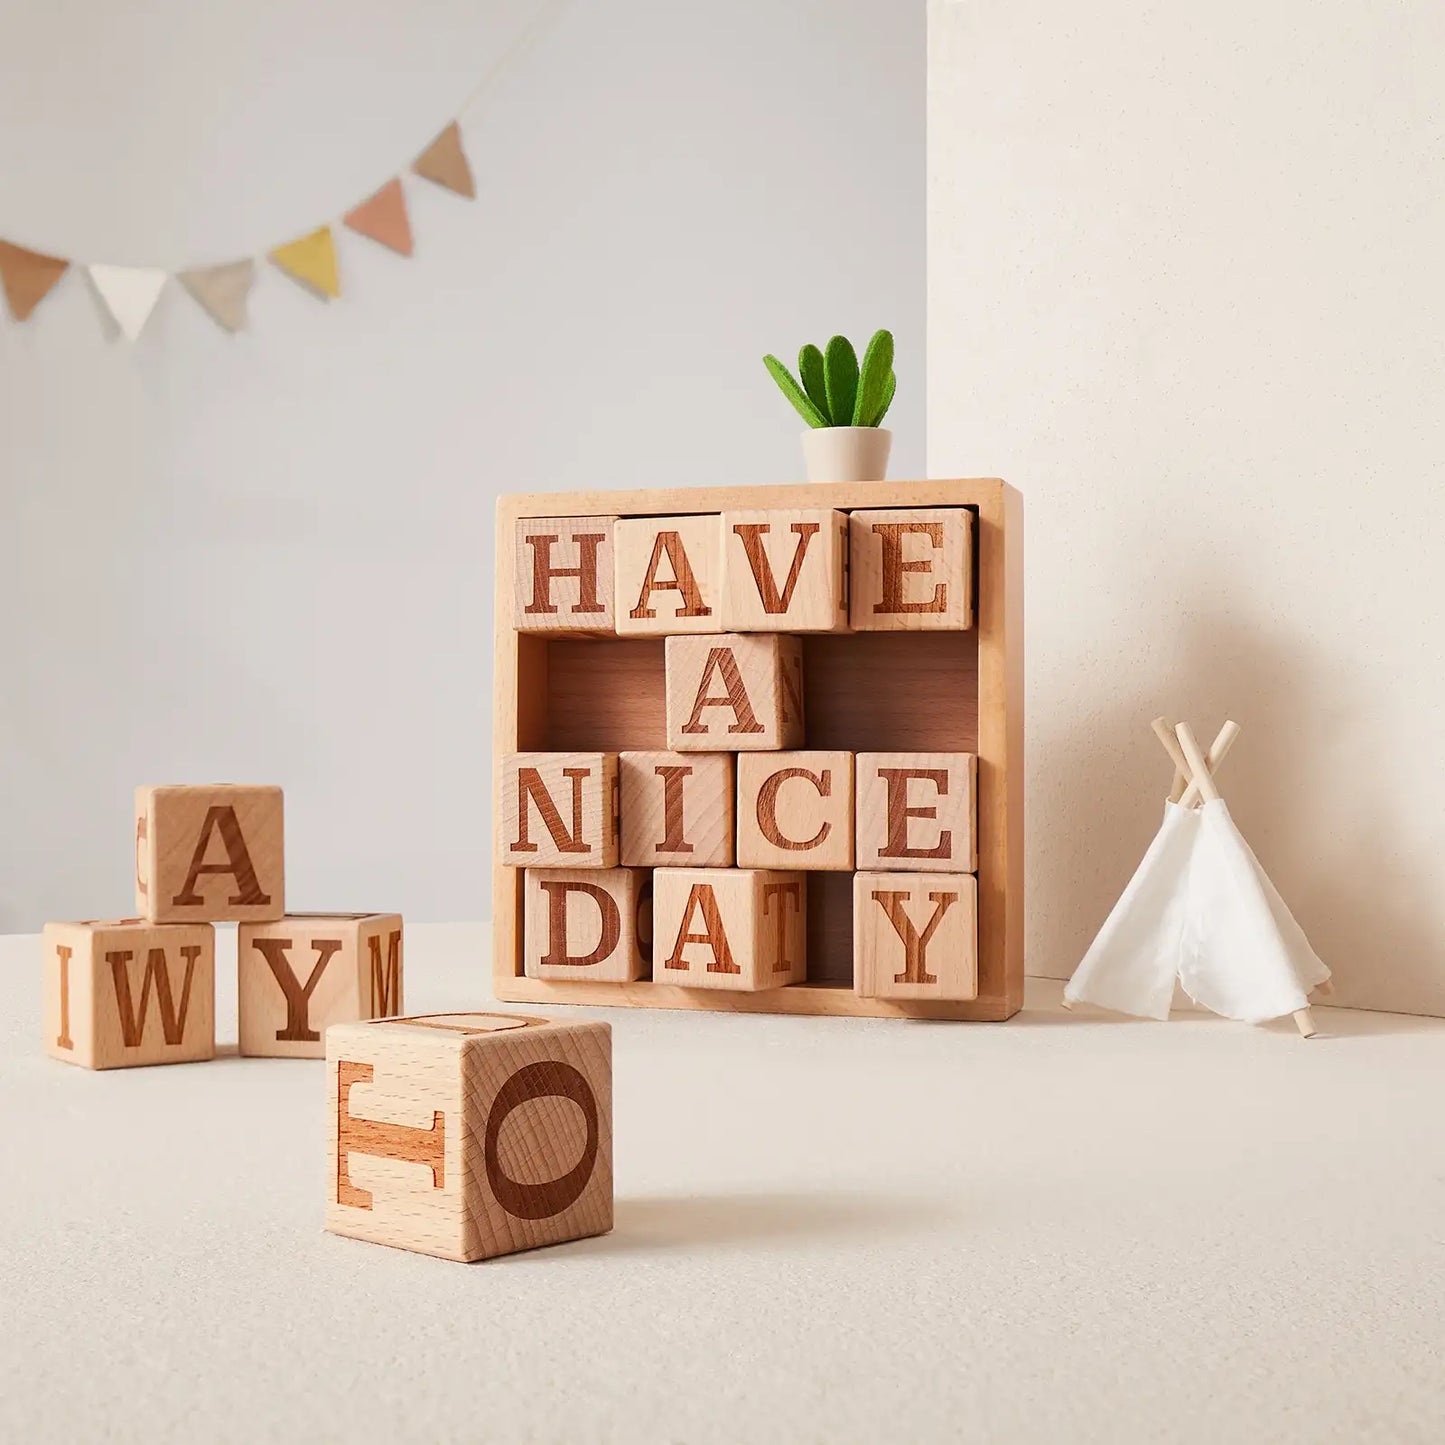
(129,293)
(28,277)
(311,260)
(383,218)
(445,162)
(222,291)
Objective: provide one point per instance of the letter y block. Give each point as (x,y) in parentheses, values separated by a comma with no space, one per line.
(915,936)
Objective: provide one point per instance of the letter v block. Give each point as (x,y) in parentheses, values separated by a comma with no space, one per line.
(911,570)
(915,936)
(669,575)
(564,574)
(585,924)
(559,810)
(734,693)
(301,974)
(734,928)
(785,571)
(127,992)
(469,1135)
(209,854)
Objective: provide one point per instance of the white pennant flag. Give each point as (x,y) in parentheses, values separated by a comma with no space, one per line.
(129,293)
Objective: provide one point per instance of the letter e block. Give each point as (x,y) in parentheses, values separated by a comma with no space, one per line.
(559,810)
(911,570)
(785,571)
(669,575)
(301,974)
(584,924)
(677,809)
(564,574)
(916,812)
(732,928)
(733,692)
(795,810)
(209,854)
(915,935)
(127,992)
(469,1135)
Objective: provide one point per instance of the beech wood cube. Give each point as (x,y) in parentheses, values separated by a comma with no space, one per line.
(795,810)
(732,928)
(564,574)
(669,575)
(915,936)
(910,569)
(916,812)
(301,974)
(677,809)
(124,992)
(785,570)
(586,923)
(734,692)
(469,1135)
(559,810)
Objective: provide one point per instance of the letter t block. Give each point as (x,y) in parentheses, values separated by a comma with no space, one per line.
(559,810)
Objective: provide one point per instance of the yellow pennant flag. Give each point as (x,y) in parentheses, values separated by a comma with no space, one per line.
(311,260)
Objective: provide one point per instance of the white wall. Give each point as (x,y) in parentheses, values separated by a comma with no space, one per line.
(270,557)
(1186,290)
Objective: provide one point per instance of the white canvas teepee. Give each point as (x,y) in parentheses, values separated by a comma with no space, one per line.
(1201,910)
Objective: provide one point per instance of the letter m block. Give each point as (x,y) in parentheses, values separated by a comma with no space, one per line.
(558,810)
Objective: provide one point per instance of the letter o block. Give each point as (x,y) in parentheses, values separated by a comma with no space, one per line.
(585,923)
(911,570)
(564,574)
(795,810)
(559,810)
(209,854)
(734,693)
(916,811)
(732,928)
(469,1135)
(915,936)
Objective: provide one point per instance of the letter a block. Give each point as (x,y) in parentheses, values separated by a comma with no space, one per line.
(732,928)
(669,575)
(916,812)
(732,692)
(915,935)
(677,809)
(584,924)
(209,854)
(911,570)
(127,992)
(795,810)
(307,971)
(785,571)
(564,574)
(559,810)
(469,1135)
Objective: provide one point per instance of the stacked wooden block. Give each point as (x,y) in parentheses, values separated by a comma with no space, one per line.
(690,865)
(128,991)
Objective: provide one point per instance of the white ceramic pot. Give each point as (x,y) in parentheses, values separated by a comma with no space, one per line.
(847,453)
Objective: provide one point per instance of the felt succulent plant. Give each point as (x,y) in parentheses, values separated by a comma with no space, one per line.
(831,389)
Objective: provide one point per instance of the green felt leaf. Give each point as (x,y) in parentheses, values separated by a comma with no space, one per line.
(840,377)
(888,391)
(873,393)
(810,369)
(795,393)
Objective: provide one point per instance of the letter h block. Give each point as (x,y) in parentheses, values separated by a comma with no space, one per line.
(564,574)
(559,810)
(469,1135)
(298,976)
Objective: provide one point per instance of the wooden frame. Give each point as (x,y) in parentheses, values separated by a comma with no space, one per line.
(546,698)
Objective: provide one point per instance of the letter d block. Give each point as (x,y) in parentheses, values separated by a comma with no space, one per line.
(563,574)
(915,936)
(209,854)
(469,1135)
(584,924)
(911,570)
(735,928)
(127,992)
(731,692)
(298,976)
(559,810)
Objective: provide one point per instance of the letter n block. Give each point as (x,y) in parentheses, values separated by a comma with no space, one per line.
(915,936)
(916,812)
(209,854)
(585,923)
(734,692)
(795,810)
(559,810)
(785,570)
(469,1135)
(301,974)
(677,809)
(911,570)
(734,928)
(669,575)
(128,992)
(564,574)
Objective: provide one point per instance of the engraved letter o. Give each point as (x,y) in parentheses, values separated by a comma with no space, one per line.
(540,1081)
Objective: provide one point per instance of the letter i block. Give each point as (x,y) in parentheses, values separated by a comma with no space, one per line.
(785,571)
(916,812)
(677,809)
(669,575)
(128,992)
(915,936)
(469,1135)
(564,574)
(559,810)
(585,924)
(911,570)
(307,971)
(795,810)
(733,692)
(735,928)
(209,854)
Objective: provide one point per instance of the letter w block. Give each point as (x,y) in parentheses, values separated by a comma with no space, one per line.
(559,810)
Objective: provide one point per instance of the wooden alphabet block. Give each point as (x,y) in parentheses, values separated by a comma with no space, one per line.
(734,692)
(795,810)
(669,575)
(911,570)
(564,572)
(469,1135)
(916,812)
(733,928)
(125,991)
(209,853)
(585,923)
(915,935)
(301,974)
(559,810)
(677,809)
(785,570)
